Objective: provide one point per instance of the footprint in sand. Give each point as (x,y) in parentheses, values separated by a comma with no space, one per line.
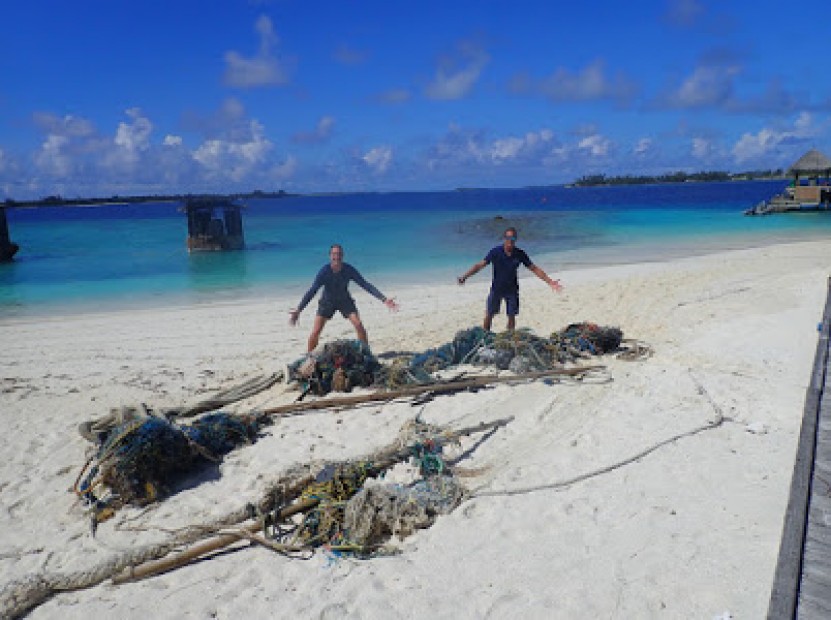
(503,607)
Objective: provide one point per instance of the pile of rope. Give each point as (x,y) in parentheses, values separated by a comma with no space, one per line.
(342,365)
(143,458)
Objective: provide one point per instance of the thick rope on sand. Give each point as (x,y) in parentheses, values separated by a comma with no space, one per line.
(20,596)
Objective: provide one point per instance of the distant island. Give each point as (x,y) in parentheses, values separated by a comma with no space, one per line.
(679,177)
(57,200)
(592,180)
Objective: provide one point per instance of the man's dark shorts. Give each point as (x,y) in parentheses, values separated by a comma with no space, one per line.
(511,303)
(327,308)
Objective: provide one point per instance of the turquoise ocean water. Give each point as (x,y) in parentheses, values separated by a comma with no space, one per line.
(77,258)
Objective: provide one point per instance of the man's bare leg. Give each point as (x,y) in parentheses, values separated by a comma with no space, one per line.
(314,337)
(487,322)
(359,327)
(511,322)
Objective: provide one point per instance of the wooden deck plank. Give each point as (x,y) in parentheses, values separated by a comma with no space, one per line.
(802,582)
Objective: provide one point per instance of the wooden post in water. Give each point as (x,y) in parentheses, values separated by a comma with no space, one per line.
(7,248)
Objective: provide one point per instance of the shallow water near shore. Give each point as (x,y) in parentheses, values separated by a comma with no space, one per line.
(81,258)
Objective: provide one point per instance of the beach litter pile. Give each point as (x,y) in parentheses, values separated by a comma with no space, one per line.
(141,457)
(144,457)
(345,364)
(349,515)
(342,365)
(328,505)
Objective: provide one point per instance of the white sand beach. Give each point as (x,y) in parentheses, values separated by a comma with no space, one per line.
(689,530)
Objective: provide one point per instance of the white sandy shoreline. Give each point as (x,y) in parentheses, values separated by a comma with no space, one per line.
(690,530)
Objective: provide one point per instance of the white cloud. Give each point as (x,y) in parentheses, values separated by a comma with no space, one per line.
(69,125)
(708,85)
(643,147)
(134,136)
(378,159)
(459,147)
(321,133)
(524,148)
(52,158)
(596,145)
(171,140)
(702,148)
(506,148)
(456,76)
(263,69)
(131,140)
(285,170)
(768,142)
(590,83)
(234,159)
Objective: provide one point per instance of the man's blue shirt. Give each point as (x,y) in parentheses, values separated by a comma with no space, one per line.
(505,268)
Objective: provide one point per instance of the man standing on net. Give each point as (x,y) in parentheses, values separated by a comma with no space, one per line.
(334,277)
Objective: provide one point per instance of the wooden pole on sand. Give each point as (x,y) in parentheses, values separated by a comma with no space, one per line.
(417,390)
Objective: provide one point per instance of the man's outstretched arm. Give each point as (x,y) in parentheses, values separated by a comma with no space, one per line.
(472,271)
(369,288)
(554,284)
(294,314)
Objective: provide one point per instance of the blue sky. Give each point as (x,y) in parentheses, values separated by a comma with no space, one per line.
(107,97)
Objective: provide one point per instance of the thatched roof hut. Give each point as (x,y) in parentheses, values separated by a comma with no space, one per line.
(812,163)
(812,166)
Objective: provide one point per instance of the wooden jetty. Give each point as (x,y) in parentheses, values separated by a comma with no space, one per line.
(214,224)
(815,195)
(7,248)
(802,582)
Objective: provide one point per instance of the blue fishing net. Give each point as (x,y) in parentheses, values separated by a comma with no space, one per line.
(141,460)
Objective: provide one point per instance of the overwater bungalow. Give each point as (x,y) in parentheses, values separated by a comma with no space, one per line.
(7,248)
(809,191)
(214,225)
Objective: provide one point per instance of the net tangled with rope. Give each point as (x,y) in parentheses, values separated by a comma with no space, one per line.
(350,516)
(520,351)
(345,364)
(342,365)
(143,458)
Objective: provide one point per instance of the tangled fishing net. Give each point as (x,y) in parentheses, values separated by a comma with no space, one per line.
(354,517)
(342,365)
(345,364)
(377,513)
(143,458)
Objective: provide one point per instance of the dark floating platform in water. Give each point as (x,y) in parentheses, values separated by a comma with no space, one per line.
(7,248)
(214,225)
(802,583)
